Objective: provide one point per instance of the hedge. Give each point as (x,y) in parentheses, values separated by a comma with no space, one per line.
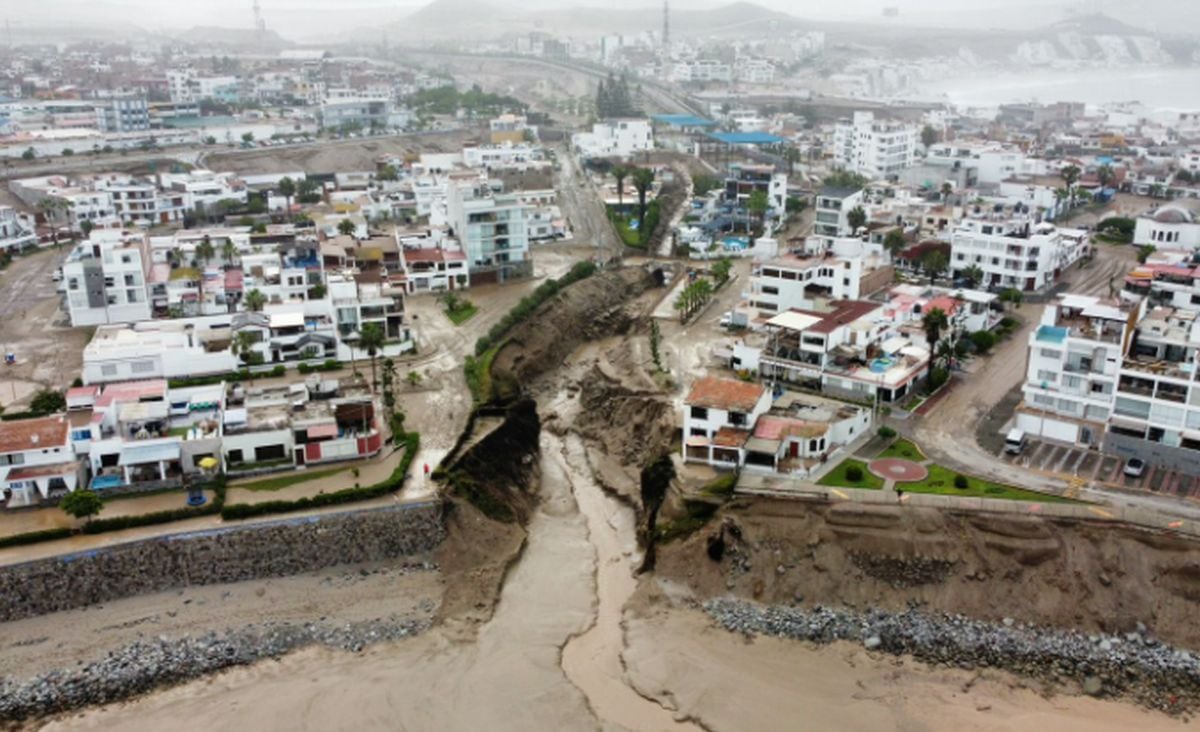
(529,303)
(116,523)
(34,537)
(10,416)
(330,365)
(243,375)
(412,441)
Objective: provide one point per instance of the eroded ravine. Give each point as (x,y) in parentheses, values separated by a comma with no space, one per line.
(592,660)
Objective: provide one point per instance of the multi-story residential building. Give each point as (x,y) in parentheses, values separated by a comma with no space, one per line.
(17,232)
(792,281)
(743,179)
(1073,369)
(434,269)
(491,228)
(754,70)
(510,128)
(105,279)
(75,203)
(618,138)
(729,423)
(155,350)
(853,348)
(37,462)
(187,86)
(363,113)
(702,70)
(1173,281)
(832,212)
(1168,227)
(876,149)
(138,202)
(718,417)
(519,156)
(123,113)
(1013,250)
(204,187)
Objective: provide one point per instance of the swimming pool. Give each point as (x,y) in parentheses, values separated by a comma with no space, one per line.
(881,364)
(100,482)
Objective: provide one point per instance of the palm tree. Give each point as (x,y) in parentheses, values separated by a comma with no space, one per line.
(643,178)
(205,250)
(371,341)
(243,347)
(935,263)
(934,322)
(1105,175)
(974,274)
(757,205)
(947,189)
(255,300)
(287,189)
(1070,174)
(895,242)
(228,251)
(620,172)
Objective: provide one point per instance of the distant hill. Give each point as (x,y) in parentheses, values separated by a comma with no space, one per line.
(1095,24)
(233,37)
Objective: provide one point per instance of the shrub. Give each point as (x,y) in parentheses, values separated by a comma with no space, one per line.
(279,370)
(34,537)
(854,474)
(983,340)
(961,482)
(886,432)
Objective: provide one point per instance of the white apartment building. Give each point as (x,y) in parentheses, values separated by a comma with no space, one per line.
(105,279)
(123,113)
(153,350)
(506,155)
(186,85)
(701,70)
(876,149)
(992,162)
(204,187)
(492,230)
(140,203)
(1168,227)
(1074,363)
(1014,251)
(832,212)
(79,204)
(791,281)
(359,112)
(1169,278)
(618,138)
(754,70)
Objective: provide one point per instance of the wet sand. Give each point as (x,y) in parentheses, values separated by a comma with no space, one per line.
(727,682)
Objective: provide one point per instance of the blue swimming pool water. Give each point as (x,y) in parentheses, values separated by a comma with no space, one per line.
(101,482)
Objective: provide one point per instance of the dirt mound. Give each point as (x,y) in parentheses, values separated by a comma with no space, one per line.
(495,472)
(1065,574)
(631,426)
(587,310)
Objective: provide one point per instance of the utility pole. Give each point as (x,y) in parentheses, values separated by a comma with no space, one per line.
(666,29)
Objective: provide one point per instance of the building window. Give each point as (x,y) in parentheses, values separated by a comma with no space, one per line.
(737,418)
(699,413)
(142,367)
(108,369)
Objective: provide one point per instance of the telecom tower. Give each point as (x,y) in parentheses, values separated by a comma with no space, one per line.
(666,34)
(260,25)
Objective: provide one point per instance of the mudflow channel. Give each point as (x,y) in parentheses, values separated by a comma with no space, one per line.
(548,659)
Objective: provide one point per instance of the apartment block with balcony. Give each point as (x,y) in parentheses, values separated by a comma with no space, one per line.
(1073,368)
(874,148)
(1173,281)
(492,230)
(17,231)
(1156,410)
(832,210)
(1014,251)
(105,278)
(618,138)
(718,417)
(792,281)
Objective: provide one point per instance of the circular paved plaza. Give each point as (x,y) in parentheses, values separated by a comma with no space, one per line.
(898,469)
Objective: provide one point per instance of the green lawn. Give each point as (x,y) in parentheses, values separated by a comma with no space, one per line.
(462,313)
(903,449)
(941,482)
(837,476)
(283,481)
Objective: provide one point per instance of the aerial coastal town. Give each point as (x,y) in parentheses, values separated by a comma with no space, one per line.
(682,337)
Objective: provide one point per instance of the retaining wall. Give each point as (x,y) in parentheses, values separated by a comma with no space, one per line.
(252,551)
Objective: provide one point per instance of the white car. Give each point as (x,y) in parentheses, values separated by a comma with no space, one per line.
(1135,467)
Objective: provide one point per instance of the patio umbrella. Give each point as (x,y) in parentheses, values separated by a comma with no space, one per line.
(209,463)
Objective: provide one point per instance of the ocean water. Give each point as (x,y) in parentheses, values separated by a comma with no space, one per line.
(1157,88)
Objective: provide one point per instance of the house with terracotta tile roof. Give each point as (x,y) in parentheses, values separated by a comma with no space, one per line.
(718,416)
(37,461)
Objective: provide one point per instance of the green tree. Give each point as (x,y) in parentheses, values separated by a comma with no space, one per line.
(29,154)
(643,178)
(947,189)
(81,503)
(388,173)
(371,341)
(346,227)
(1070,174)
(1144,252)
(895,242)
(248,137)
(934,322)
(228,251)
(86,227)
(414,378)
(983,340)
(934,264)
(856,218)
(928,136)
(1105,175)
(48,401)
(844,179)
(1012,295)
(655,342)
(255,300)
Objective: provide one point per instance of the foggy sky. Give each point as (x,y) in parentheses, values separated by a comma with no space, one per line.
(309,19)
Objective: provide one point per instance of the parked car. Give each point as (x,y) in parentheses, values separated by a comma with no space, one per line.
(1015,441)
(1135,467)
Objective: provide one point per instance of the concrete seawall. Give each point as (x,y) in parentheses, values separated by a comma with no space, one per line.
(233,554)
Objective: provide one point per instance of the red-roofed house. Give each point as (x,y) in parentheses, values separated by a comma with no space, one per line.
(36,460)
(434,269)
(718,415)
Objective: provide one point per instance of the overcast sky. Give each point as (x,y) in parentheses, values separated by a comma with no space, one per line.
(307,19)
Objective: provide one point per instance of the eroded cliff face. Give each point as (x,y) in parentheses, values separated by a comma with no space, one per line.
(1059,573)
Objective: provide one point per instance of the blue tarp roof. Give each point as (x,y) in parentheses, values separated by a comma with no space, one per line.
(684,120)
(746,138)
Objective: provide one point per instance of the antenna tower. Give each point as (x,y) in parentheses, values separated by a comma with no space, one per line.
(666,34)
